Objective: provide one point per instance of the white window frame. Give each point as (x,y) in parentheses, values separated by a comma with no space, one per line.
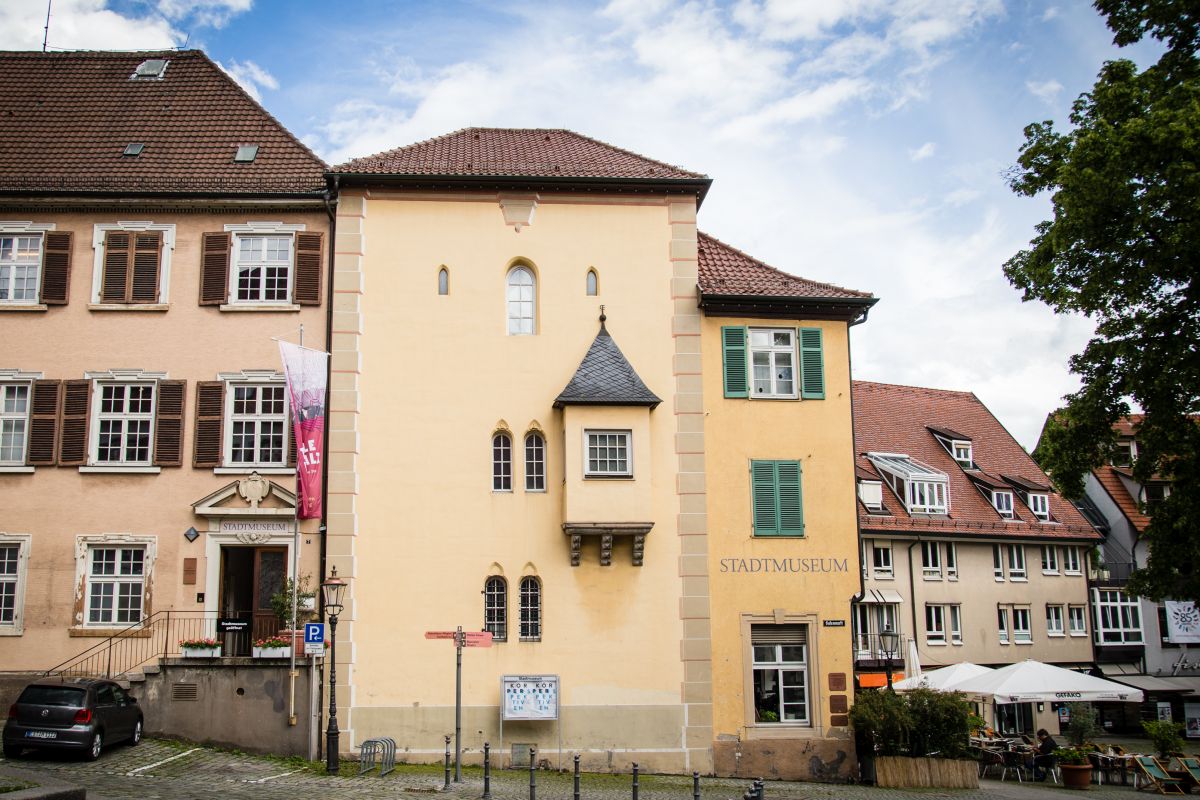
(1077,620)
(935,624)
(1114,606)
(960,451)
(22,541)
(83,550)
(1016,563)
(1002,625)
(1049,559)
(254,229)
(871,494)
(97,415)
(779,666)
(951,561)
(502,461)
(257,379)
(1055,620)
(998,563)
(8,418)
(626,435)
(1129,446)
(164,264)
(921,488)
(516,320)
(955,619)
(870,620)
(495,607)
(1022,634)
(879,569)
(931,561)
(13,263)
(535,461)
(28,228)
(531,609)
(1071,560)
(1039,504)
(1002,501)
(772,351)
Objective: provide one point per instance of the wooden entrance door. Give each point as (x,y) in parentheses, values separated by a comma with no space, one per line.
(270,571)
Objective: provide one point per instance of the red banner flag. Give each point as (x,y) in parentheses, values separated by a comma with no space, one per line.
(305,370)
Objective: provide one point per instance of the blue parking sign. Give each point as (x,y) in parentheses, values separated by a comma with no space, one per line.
(314,638)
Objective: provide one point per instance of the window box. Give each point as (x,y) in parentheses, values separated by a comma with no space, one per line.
(264,652)
(204,652)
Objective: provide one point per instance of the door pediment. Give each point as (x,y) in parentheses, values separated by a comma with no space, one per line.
(252,496)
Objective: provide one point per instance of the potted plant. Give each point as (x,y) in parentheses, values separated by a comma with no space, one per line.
(271,647)
(1076,769)
(1083,727)
(1166,737)
(306,604)
(199,648)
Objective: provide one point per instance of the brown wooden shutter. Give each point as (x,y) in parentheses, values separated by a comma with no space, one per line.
(56,268)
(73,449)
(114,282)
(147,258)
(210,421)
(168,423)
(214,269)
(43,424)
(309,251)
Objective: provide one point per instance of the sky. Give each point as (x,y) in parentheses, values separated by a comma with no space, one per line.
(859,142)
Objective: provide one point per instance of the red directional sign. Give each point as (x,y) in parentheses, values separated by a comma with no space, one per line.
(470,638)
(440,634)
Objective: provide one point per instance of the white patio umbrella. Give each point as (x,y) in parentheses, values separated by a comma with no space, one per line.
(1032,681)
(945,679)
(912,667)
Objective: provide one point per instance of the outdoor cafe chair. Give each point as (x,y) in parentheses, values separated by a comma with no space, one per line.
(1191,765)
(990,759)
(1015,762)
(1156,776)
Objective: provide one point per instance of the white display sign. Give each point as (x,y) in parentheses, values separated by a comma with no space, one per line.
(1191,716)
(529,697)
(1183,622)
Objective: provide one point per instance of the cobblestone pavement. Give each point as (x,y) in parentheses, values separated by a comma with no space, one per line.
(163,769)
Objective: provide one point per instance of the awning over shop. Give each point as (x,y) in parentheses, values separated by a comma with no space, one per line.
(1148,683)
(877,680)
(1191,684)
(880,596)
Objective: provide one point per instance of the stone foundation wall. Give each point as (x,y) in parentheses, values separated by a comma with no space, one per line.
(831,760)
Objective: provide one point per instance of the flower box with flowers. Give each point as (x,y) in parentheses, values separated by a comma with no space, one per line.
(199,648)
(272,647)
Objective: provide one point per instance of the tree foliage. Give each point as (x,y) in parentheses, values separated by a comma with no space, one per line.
(918,723)
(1123,248)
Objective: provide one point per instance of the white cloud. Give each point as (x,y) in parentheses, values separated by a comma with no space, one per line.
(1050,13)
(923,152)
(211,13)
(250,76)
(82,25)
(1046,91)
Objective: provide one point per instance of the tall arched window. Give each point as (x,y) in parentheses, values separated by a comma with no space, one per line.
(593,283)
(535,462)
(443,281)
(501,463)
(495,607)
(531,609)
(521,300)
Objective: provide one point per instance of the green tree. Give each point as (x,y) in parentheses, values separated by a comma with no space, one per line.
(1123,248)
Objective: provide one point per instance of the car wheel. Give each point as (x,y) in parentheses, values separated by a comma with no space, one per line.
(11,751)
(97,743)
(137,733)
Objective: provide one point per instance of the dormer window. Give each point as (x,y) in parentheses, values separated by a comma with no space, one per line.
(1155,493)
(962,453)
(1124,453)
(921,488)
(1003,503)
(1039,504)
(958,445)
(871,495)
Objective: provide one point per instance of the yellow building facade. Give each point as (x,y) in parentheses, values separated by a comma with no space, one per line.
(523,424)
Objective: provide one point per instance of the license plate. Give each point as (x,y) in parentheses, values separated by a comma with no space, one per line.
(41,735)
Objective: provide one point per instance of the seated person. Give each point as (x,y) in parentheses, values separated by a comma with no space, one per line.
(1043,758)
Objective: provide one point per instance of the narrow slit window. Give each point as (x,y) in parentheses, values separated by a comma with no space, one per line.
(521,301)
(593,283)
(501,463)
(535,463)
(495,608)
(443,281)
(531,610)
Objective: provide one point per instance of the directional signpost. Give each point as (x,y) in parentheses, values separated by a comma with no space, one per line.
(461,639)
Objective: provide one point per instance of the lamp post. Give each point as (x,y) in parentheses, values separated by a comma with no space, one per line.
(332,591)
(889,640)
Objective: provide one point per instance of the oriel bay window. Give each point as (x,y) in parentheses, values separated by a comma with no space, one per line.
(779,663)
(1118,617)
(608,454)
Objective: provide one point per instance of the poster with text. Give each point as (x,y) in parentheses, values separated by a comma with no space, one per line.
(529,696)
(1191,717)
(305,371)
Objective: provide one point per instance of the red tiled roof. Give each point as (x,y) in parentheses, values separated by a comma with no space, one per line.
(66,118)
(1110,479)
(725,270)
(893,419)
(1127,426)
(515,152)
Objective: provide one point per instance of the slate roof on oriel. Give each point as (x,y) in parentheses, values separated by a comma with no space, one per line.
(606,378)
(889,418)
(67,118)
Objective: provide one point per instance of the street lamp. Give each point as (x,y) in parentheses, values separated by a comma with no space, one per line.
(332,590)
(889,640)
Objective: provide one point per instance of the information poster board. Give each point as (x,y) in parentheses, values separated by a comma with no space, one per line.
(1191,715)
(529,697)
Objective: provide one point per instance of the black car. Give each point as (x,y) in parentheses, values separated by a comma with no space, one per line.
(79,716)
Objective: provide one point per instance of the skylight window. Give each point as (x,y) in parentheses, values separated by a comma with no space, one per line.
(923,489)
(134,149)
(150,69)
(246,153)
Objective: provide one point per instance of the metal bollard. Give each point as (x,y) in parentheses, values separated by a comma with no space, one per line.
(487,771)
(749,794)
(532,774)
(447,786)
(695,786)
(575,796)
(635,780)
(759,788)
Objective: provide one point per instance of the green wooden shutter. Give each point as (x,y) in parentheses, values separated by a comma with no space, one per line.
(733,356)
(791,500)
(812,365)
(764,492)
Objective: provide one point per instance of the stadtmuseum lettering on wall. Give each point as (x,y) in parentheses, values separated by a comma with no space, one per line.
(798,565)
